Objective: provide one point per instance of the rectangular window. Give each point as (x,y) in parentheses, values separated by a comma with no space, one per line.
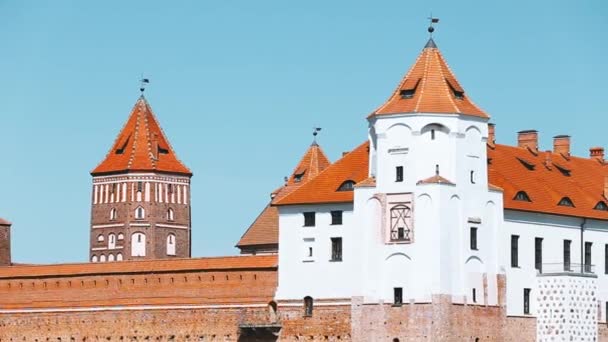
(527,301)
(474,295)
(309,219)
(336,249)
(399,174)
(474,238)
(588,256)
(514,250)
(538,254)
(606,261)
(398,295)
(567,244)
(140,186)
(170,188)
(336,217)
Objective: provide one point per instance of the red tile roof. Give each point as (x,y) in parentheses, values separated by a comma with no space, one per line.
(436,179)
(141,266)
(369,182)
(432,88)
(324,187)
(134,149)
(265,229)
(4,222)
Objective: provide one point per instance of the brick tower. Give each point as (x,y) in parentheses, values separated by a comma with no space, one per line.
(140,204)
(5,242)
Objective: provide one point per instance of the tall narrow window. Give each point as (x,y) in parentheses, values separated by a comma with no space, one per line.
(432,134)
(140,213)
(170,188)
(140,186)
(138,244)
(336,249)
(309,219)
(336,217)
(567,244)
(538,254)
(113,214)
(308,305)
(526,301)
(588,246)
(397,295)
(171,244)
(472,177)
(514,250)
(170,214)
(474,294)
(111,241)
(473,238)
(399,174)
(606,262)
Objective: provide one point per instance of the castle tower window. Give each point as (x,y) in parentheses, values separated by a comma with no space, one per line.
(473,238)
(566,202)
(336,249)
(588,246)
(100,238)
(170,214)
(309,219)
(94,258)
(538,254)
(336,217)
(171,244)
(409,89)
(401,216)
(527,301)
(308,306)
(397,295)
(474,295)
(522,196)
(111,241)
(399,174)
(432,134)
(472,177)
(140,186)
(140,213)
(566,255)
(102,258)
(119,257)
(111,257)
(138,244)
(113,214)
(514,250)
(601,205)
(121,236)
(170,188)
(348,185)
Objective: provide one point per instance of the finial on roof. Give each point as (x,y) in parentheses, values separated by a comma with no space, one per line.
(432,20)
(315,131)
(437,170)
(142,84)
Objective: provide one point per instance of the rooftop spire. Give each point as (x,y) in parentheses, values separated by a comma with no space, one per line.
(431,43)
(142,84)
(315,131)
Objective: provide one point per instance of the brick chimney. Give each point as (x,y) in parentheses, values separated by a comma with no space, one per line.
(491,134)
(528,139)
(5,243)
(597,153)
(548,160)
(561,145)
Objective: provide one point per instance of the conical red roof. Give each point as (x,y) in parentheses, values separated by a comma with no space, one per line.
(312,163)
(141,145)
(430,87)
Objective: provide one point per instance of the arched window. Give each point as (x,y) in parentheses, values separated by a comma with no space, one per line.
(601,205)
(111,257)
(170,214)
(100,238)
(102,258)
(171,244)
(121,236)
(522,196)
(308,304)
(113,214)
(140,213)
(566,202)
(94,258)
(138,244)
(111,241)
(119,257)
(347,185)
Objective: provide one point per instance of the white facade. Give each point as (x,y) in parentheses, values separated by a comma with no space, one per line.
(437,257)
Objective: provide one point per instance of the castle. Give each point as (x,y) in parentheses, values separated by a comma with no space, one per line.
(428,231)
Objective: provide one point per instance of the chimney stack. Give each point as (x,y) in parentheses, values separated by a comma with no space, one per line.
(561,145)
(548,160)
(597,153)
(491,134)
(528,139)
(5,243)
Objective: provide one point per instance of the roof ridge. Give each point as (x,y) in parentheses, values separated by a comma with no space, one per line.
(446,86)
(424,79)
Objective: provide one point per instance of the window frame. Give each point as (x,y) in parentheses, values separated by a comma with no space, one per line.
(337,217)
(473,239)
(336,249)
(310,218)
(514,251)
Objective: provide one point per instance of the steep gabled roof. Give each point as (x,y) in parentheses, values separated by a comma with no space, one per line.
(324,187)
(430,87)
(141,145)
(265,229)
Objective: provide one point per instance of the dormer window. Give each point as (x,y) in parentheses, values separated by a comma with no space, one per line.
(409,89)
(601,205)
(162,150)
(455,88)
(563,170)
(298,175)
(566,202)
(522,196)
(526,164)
(122,147)
(348,185)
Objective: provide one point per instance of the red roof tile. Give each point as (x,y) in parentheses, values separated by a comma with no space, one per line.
(436,179)
(431,87)
(141,266)
(265,229)
(134,148)
(324,187)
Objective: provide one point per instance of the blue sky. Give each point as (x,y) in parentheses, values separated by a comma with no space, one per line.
(238,86)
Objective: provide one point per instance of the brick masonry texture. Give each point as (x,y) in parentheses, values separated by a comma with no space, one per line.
(5,245)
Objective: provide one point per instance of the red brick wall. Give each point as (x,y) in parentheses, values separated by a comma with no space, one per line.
(327,323)
(520,329)
(5,245)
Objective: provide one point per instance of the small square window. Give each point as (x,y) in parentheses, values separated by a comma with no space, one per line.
(309,219)
(336,217)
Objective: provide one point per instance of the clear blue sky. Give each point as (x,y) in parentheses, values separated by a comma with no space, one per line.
(238,85)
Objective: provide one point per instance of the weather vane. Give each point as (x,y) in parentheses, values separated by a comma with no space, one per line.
(142,84)
(315,131)
(432,20)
